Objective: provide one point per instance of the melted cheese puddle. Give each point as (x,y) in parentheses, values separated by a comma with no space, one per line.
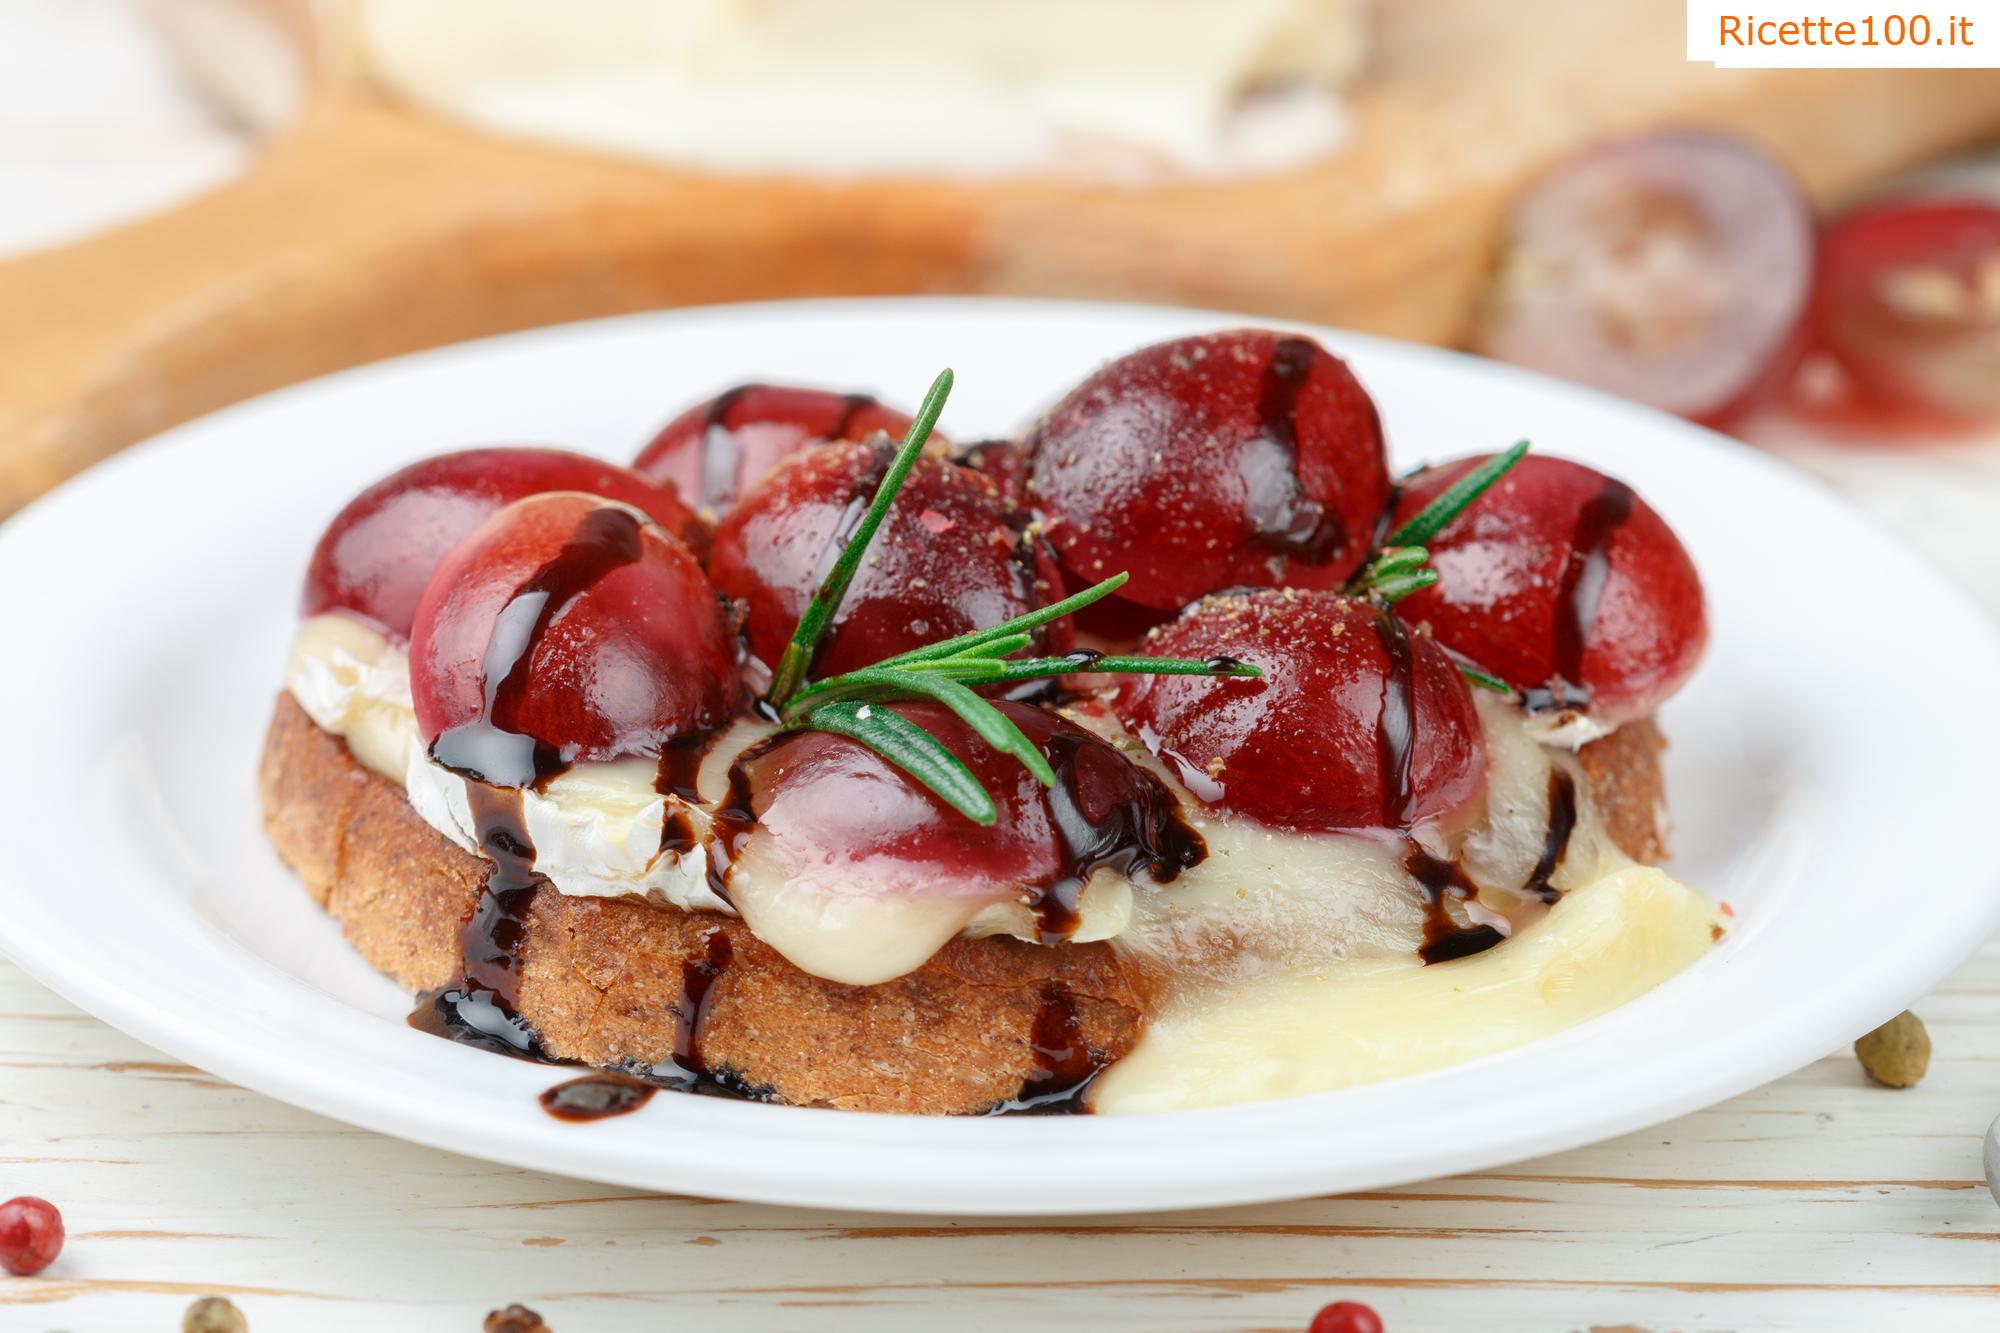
(1363,1021)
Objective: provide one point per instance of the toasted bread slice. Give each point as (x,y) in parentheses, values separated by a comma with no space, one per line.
(603,978)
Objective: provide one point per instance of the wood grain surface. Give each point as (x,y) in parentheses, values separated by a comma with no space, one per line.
(369,230)
(1820,1203)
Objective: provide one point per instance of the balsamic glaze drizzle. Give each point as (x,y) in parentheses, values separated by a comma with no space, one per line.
(597,1096)
(1282,516)
(1555,844)
(1065,1066)
(486,749)
(719,455)
(481,1006)
(1143,837)
(1444,938)
(699,974)
(1396,725)
(1577,596)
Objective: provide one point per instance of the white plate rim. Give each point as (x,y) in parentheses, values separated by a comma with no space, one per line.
(893,1163)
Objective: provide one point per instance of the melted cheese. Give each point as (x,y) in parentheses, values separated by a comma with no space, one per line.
(597,830)
(1282,964)
(1294,1032)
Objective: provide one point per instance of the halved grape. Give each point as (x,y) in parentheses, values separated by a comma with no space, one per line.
(379,551)
(1246,458)
(716,450)
(567,628)
(950,557)
(1673,268)
(1357,723)
(1909,306)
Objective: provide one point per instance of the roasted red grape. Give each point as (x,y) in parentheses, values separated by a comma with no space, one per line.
(716,450)
(1239,459)
(1003,460)
(1909,307)
(947,559)
(1564,583)
(379,551)
(839,803)
(1357,722)
(1674,268)
(566,627)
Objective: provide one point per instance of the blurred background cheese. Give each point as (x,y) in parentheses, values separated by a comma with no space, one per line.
(903,86)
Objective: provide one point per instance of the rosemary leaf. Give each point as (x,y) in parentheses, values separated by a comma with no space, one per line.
(812,626)
(1429,521)
(1388,563)
(1396,587)
(910,748)
(1013,643)
(976,672)
(1483,679)
(993,726)
(1006,628)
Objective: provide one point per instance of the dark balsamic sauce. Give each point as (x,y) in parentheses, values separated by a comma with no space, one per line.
(1144,837)
(597,1096)
(480,1008)
(699,973)
(1396,725)
(1282,516)
(1444,938)
(732,820)
(487,750)
(679,778)
(1577,596)
(721,458)
(1065,1066)
(1555,844)
(719,455)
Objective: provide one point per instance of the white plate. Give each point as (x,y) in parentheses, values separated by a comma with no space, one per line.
(1830,775)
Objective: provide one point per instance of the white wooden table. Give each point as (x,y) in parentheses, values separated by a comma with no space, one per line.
(1819,1203)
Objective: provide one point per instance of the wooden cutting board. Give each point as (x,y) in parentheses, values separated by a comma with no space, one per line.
(368,229)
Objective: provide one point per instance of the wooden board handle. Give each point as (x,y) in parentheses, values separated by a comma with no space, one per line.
(367,233)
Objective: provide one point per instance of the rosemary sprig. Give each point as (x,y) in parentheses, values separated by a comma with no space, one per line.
(921,679)
(1399,566)
(1429,521)
(1484,680)
(797,657)
(984,639)
(1393,573)
(949,671)
(912,749)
